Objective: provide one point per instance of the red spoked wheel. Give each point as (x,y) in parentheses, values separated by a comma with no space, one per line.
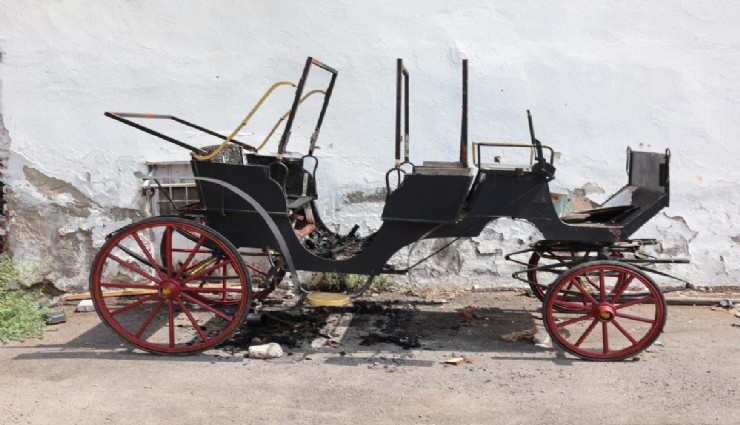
(189,297)
(620,311)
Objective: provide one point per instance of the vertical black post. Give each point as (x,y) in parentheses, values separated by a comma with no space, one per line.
(406,116)
(327,95)
(535,142)
(293,109)
(402,91)
(399,68)
(464,125)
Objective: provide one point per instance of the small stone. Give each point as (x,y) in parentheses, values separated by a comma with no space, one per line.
(265,351)
(657,343)
(737,313)
(85,305)
(55,317)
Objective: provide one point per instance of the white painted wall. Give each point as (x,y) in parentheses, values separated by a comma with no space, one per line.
(597,77)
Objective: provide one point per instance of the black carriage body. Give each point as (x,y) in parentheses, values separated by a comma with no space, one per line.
(434,200)
(431,202)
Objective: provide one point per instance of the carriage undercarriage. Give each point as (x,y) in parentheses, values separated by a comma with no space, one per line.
(195,287)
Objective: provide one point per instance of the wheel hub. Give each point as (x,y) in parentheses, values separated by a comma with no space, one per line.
(169,289)
(605,312)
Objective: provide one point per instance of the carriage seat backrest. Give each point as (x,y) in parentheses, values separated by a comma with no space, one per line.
(649,171)
(252,179)
(428,197)
(294,181)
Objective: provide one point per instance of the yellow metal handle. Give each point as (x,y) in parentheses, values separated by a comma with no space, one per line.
(285,115)
(244,122)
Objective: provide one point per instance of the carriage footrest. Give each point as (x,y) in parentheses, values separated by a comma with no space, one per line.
(327,299)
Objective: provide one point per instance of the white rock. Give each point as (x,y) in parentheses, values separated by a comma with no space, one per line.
(85,305)
(266,351)
(318,342)
(542,338)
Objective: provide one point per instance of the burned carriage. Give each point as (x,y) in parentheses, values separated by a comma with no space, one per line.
(195,285)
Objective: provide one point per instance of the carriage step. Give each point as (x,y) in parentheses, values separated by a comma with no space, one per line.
(327,299)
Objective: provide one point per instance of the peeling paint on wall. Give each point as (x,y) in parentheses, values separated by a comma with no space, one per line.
(59,228)
(4,148)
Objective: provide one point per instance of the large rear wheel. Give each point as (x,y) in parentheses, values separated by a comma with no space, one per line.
(184,287)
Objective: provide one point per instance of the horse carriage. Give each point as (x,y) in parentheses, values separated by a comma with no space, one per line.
(197,272)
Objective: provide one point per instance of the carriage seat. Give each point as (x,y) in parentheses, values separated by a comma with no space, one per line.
(646,192)
(297,184)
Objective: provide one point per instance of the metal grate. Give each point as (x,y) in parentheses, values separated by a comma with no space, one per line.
(176,180)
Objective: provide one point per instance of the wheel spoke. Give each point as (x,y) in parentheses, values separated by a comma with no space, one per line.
(149,318)
(190,257)
(201,334)
(621,287)
(602,284)
(564,297)
(207,307)
(135,269)
(586,332)
(572,307)
(637,318)
(574,320)
(200,265)
(605,337)
(133,304)
(624,331)
(148,255)
(171,322)
(590,282)
(168,250)
(635,302)
(584,291)
(204,272)
(223,283)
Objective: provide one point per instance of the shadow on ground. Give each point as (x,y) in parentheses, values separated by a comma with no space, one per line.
(367,331)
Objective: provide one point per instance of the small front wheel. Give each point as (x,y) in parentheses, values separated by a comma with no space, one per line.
(619,311)
(170,286)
